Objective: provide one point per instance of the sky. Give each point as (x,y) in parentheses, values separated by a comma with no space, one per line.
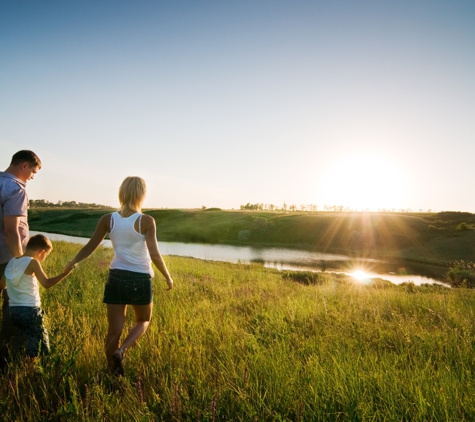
(365,104)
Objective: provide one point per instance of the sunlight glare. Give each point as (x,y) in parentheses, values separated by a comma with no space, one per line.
(364,181)
(359,275)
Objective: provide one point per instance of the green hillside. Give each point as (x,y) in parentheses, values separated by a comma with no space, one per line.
(426,237)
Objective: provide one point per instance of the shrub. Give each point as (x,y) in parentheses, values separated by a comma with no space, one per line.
(462,274)
(244,235)
(306,277)
(408,286)
(260,224)
(462,226)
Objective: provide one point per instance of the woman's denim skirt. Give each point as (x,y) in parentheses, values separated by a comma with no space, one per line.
(128,288)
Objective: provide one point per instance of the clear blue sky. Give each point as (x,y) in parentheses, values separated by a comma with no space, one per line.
(220,103)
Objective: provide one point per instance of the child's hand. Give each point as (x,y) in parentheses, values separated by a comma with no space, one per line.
(169,283)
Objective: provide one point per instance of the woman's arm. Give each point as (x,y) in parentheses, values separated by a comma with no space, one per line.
(3,283)
(35,267)
(102,228)
(150,232)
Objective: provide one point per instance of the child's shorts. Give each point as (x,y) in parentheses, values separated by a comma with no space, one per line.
(128,288)
(30,322)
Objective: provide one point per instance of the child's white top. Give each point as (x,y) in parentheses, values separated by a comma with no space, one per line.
(130,250)
(22,289)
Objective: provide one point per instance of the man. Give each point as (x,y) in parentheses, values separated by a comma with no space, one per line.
(14,204)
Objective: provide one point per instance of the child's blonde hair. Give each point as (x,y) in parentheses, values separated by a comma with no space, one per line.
(132,193)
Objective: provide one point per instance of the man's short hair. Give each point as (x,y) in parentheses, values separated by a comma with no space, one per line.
(26,156)
(39,242)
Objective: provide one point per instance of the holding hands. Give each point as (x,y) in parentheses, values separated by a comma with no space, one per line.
(69,267)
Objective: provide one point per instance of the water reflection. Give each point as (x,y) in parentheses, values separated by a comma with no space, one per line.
(294,260)
(365,276)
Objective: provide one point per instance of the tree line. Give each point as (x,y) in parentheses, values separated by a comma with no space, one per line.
(312,207)
(42,203)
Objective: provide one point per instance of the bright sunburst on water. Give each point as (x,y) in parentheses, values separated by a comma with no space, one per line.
(359,275)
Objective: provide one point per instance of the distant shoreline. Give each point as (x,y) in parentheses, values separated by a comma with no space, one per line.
(436,239)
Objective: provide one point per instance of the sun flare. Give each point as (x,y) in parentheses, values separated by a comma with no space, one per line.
(359,275)
(364,181)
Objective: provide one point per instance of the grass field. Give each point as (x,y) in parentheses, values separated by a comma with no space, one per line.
(437,238)
(246,343)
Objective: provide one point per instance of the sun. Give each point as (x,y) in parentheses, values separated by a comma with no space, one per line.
(359,275)
(364,181)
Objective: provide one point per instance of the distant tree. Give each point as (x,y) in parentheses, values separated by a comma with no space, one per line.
(260,224)
(41,203)
(462,227)
(249,206)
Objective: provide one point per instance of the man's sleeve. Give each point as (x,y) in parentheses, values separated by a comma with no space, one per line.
(16,204)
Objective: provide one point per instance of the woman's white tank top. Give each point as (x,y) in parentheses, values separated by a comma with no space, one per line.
(22,288)
(130,250)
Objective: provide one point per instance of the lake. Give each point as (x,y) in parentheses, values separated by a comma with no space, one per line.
(295,260)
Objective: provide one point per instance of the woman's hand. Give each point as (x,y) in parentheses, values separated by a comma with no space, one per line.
(69,267)
(169,283)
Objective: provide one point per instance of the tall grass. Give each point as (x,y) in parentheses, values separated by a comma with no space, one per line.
(244,343)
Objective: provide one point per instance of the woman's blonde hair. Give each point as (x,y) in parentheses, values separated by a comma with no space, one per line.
(132,193)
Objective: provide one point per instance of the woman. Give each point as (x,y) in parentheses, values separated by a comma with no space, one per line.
(133,237)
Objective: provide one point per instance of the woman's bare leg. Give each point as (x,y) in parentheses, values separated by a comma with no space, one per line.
(116,318)
(143,314)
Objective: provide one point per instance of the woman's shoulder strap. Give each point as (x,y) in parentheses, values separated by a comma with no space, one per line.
(113,216)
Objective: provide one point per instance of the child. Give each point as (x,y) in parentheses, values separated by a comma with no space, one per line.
(21,279)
